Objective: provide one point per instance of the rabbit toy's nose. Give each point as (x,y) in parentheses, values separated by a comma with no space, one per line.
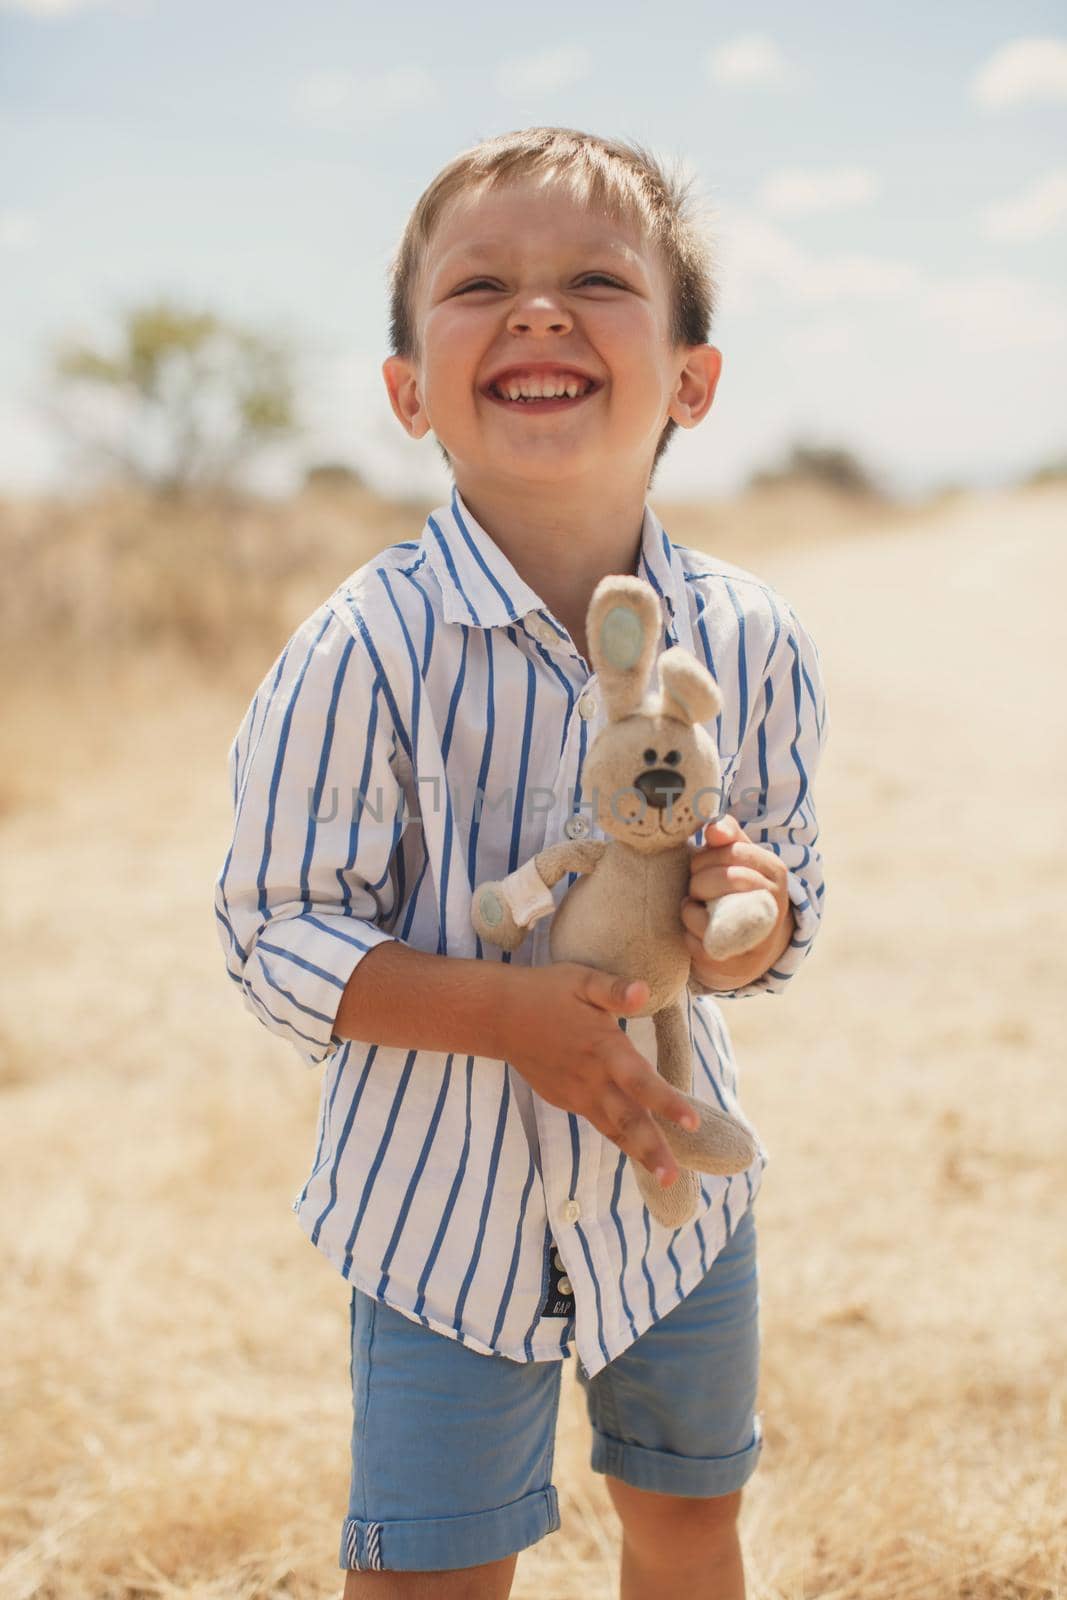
(660,786)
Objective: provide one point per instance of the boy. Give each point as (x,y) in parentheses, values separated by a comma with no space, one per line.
(423,731)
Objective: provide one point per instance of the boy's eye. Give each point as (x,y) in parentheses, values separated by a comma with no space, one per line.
(484,283)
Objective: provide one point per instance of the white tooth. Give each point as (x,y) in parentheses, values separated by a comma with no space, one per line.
(544,389)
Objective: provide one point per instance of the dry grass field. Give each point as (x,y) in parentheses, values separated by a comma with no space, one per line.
(176,1406)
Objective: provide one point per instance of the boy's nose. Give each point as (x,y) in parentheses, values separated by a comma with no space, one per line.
(660,785)
(539,311)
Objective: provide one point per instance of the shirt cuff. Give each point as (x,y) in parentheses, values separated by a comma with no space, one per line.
(775,979)
(297,971)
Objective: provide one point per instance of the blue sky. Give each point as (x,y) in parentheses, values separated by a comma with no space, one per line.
(888,186)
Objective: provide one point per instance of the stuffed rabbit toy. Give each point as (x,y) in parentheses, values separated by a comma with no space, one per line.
(653,772)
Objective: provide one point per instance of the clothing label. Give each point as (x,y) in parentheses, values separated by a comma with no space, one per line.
(559,1301)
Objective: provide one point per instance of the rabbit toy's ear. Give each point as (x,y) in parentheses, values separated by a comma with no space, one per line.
(688,691)
(623,627)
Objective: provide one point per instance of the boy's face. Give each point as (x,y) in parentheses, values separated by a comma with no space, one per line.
(525,275)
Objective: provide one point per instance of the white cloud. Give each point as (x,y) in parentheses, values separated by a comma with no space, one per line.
(66,8)
(1038,211)
(338,100)
(1024,71)
(828,338)
(544,73)
(17,230)
(995,312)
(795,192)
(755,253)
(750,60)
(762,266)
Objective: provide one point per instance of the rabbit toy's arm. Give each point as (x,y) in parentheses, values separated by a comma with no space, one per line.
(502,912)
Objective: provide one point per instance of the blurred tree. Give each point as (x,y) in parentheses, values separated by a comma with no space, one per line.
(1048,472)
(833,466)
(182,403)
(332,475)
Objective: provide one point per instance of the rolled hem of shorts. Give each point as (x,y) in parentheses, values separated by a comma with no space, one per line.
(439,1544)
(665,1473)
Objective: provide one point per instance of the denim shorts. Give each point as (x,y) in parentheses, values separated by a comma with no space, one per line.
(452,1449)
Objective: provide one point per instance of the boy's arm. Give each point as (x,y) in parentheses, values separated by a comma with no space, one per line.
(771,796)
(306,882)
(460,1003)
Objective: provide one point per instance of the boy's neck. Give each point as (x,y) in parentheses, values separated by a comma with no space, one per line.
(560,549)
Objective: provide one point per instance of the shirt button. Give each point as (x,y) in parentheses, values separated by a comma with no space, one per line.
(565,1286)
(576,827)
(544,631)
(572,1211)
(586,707)
(558,1259)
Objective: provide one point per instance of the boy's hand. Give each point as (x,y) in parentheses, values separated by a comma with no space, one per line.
(729,863)
(560,1031)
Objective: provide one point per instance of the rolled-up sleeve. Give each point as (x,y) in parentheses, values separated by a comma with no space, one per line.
(771,793)
(306,888)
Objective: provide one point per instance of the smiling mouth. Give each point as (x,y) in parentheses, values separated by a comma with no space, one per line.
(540,405)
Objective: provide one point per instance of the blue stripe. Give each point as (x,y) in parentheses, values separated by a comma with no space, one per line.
(480,559)
(620,1167)
(399,730)
(483,770)
(508,1291)
(442,543)
(299,961)
(450,1203)
(379,1157)
(280,1021)
(524,763)
(742,667)
(246,727)
(339,933)
(344,872)
(709,659)
(409,1194)
(279,761)
(798,763)
(320,776)
(494,1162)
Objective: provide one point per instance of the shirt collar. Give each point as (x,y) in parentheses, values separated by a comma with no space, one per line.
(481,588)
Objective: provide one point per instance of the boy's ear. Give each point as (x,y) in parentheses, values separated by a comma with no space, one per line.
(697,382)
(405,397)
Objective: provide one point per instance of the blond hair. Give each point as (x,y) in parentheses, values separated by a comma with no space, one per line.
(622,180)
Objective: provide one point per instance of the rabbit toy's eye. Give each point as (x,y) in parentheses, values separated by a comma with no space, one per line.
(673,757)
(648,757)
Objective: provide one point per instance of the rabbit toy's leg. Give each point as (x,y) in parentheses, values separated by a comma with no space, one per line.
(678,1202)
(675,1204)
(721,1144)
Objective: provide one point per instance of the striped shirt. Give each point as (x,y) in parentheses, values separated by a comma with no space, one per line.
(425,730)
